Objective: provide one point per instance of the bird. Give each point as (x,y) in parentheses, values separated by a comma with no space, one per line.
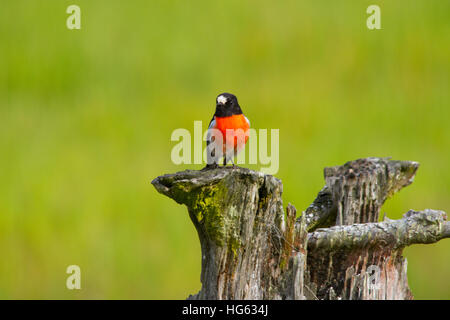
(227,117)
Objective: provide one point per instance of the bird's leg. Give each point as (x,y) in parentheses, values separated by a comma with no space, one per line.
(225,161)
(234,166)
(211,163)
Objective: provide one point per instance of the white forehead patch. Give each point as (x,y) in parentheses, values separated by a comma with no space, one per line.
(221,99)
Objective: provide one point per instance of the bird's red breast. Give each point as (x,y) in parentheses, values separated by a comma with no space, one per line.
(233,122)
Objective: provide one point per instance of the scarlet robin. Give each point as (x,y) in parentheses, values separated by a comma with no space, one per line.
(227,132)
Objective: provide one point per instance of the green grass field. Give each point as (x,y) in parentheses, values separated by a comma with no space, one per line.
(87,115)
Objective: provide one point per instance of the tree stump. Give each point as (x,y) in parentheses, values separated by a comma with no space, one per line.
(337,249)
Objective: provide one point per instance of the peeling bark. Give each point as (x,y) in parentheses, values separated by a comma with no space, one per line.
(252,249)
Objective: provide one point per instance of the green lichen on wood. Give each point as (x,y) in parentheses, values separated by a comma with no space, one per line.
(207,206)
(211,197)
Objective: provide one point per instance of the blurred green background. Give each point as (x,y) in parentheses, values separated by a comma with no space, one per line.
(87,115)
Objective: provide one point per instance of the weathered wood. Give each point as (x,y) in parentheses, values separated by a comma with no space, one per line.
(252,249)
(338,257)
(359,188)
(238,214)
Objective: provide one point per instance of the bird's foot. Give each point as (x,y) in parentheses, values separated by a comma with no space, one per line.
(210,166)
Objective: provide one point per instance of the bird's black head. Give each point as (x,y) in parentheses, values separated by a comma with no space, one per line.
(227,105)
